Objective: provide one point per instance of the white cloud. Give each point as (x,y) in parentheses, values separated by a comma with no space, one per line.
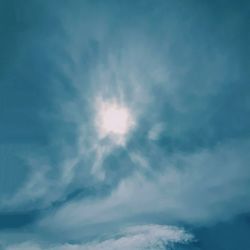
(198,191)
(142,237)
(155,237)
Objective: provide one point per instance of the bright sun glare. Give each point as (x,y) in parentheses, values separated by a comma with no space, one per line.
(113,119)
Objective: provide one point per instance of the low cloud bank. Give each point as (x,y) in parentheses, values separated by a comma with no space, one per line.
(157,237)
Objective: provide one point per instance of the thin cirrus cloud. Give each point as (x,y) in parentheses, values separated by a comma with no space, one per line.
(173,192)
(177,67)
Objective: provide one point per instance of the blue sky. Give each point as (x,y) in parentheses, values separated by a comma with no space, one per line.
(172,172)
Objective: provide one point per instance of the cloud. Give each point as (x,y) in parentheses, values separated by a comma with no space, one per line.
(142,237)
(155,132)
(158,71)
(187,157)
(202,187)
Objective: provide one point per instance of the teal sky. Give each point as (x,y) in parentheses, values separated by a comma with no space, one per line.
(124,125)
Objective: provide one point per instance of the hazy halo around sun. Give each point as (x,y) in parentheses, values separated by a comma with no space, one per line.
(113,119)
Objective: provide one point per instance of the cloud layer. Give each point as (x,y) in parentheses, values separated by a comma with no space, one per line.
(142,237)
(179,67)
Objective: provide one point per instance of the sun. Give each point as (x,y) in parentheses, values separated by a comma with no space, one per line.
(113,119)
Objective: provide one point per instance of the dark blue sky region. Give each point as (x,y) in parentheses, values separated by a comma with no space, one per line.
(124,125)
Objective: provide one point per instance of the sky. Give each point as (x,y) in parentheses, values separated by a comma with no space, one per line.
(124,125)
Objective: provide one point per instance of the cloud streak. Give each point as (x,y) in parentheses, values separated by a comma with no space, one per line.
(141,237)
(195,192)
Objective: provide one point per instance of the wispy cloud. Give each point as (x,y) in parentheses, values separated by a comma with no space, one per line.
(177,67)
(141,237)
(191,188)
